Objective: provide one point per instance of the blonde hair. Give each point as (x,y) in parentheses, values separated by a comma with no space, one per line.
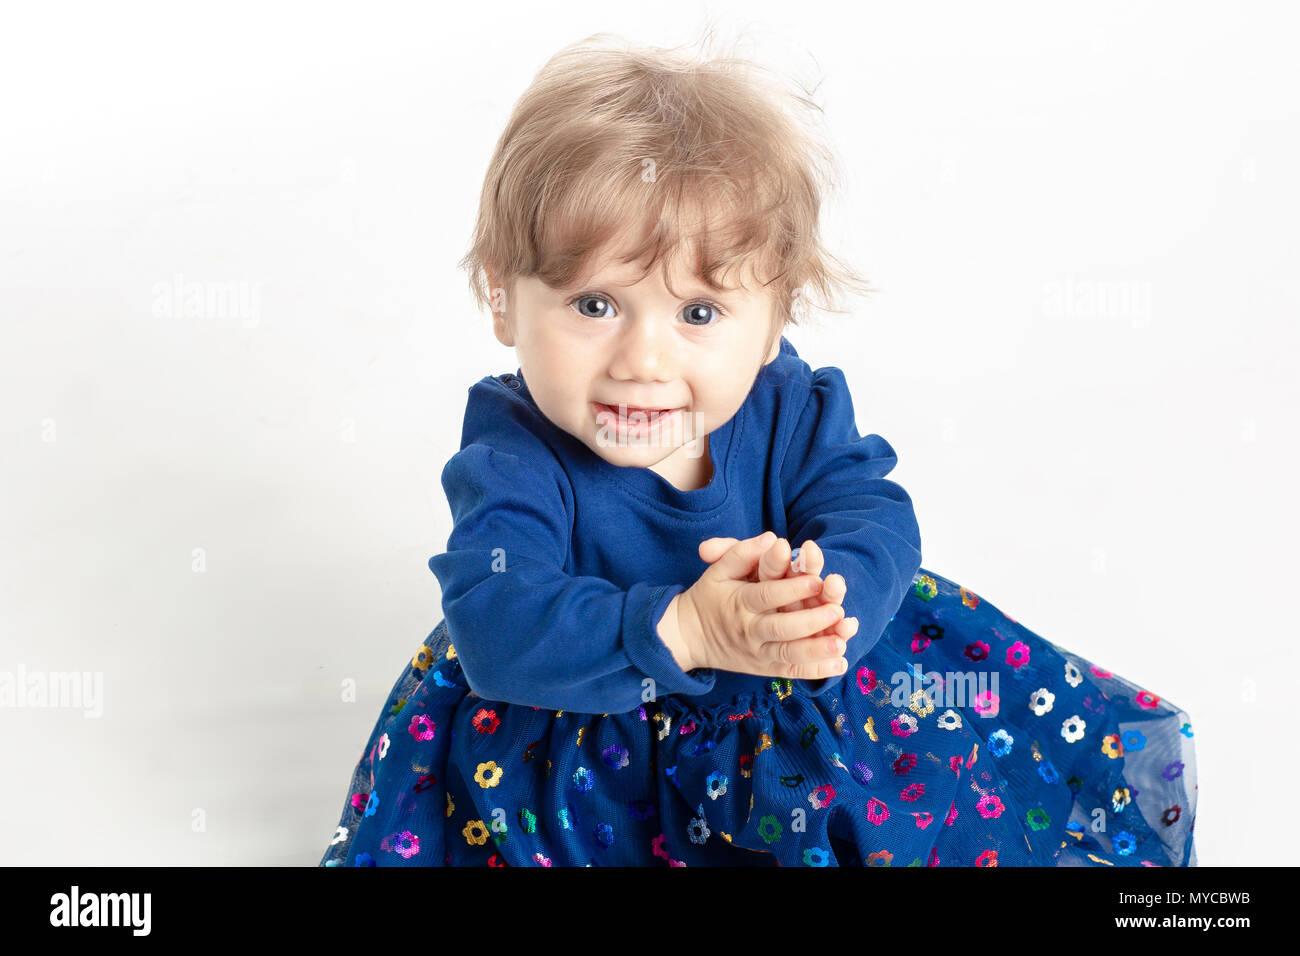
(610,136)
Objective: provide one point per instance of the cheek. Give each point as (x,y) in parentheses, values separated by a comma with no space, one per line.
(720,381)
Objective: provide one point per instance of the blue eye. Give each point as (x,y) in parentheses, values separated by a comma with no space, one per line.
(582,299)
(696,314)
(694,310)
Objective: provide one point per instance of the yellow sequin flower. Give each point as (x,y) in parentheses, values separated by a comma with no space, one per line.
(475,832)
(423,658)
(488,774)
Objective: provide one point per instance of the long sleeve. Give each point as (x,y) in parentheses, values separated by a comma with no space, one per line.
(525,631)
(836,493)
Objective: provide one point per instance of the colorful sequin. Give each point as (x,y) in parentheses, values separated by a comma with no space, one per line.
(963,739)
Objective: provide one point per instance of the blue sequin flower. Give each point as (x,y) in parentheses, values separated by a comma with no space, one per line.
(615,756)
(715,785)
(1000,743)
(1124,842)
(816,856)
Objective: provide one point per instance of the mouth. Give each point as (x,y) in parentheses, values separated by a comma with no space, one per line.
(631,418)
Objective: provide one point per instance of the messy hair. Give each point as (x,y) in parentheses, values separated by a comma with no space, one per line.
(715,155)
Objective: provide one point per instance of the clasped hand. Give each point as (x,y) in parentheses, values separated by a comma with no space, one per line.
(754,612)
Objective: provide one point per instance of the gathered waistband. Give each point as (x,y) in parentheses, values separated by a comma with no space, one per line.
(735,696)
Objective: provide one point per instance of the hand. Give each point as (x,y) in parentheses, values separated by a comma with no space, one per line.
(736,619)
(775,565)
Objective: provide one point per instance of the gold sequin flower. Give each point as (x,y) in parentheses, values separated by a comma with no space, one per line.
(488,774)
(664,723)
(921,703)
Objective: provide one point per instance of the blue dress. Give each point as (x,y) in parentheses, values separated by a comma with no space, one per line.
(560,732)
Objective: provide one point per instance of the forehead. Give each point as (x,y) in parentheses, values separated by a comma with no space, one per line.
(608,267)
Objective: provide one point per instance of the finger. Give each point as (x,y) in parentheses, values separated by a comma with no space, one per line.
(809,558)
(834,588)
(713,548)
(773,595)
(775,563)
(807,658)
(845,628)
(788,625)
(741,558)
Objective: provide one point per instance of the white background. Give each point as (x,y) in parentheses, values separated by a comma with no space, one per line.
(1082,222)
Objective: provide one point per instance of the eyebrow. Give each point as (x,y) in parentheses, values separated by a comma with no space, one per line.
(696,287)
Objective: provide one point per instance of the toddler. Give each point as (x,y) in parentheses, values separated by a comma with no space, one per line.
(685,620)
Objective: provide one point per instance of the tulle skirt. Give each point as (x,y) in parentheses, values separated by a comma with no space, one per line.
(962,739)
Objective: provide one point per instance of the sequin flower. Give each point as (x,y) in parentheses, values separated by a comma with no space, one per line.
(877,812)
(987,703)
(407,844)
(999,743)
(1018,654)
(716,785)
(822,796)
(1041,701)
(488,774)
(421,727)
(904,762)
(989,806)
(486,721)
(1072,728)
(904,725)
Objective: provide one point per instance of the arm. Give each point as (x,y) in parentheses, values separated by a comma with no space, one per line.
(525,631)
(836,493)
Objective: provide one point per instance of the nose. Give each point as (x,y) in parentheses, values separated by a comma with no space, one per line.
(645,351)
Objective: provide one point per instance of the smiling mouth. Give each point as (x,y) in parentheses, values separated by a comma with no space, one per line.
(632,410)
(634,415)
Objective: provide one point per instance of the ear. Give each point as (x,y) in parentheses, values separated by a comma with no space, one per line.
(501,326)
